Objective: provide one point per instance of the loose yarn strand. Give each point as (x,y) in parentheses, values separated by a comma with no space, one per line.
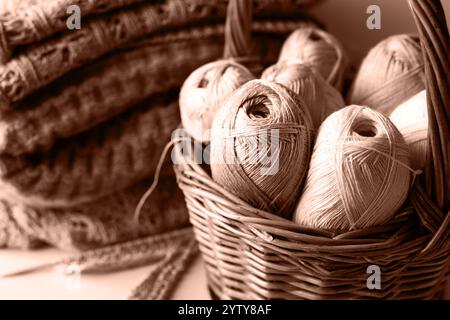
(151,189)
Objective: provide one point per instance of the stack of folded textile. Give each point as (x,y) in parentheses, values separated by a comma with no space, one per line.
(85,114)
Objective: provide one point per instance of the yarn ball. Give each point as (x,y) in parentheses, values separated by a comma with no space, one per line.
(411,119)
(261,142)
(319,49)
(391,73)
(359,174)
(205,90)
(320,97)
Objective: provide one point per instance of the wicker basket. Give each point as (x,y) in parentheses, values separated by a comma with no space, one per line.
(252,254)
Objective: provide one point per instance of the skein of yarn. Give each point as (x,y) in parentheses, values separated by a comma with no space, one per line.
(411,119)
(320,97)
(205,90)
(359,174)
(260,146)
(319,49)
(390,74)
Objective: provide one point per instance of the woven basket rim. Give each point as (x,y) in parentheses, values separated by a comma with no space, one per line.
(194,181)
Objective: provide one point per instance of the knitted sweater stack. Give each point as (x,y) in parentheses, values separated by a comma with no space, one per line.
(85,114)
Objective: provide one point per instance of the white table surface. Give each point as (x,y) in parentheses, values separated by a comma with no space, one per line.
(52,284)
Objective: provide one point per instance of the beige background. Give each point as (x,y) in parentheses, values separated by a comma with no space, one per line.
(347,20)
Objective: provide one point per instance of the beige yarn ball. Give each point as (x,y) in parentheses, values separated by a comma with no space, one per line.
(317,48)
(205,90)
(261,143)
(359,174)
(411,119)
(320,97)
(391,73)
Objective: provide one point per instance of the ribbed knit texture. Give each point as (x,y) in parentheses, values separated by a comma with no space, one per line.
(40,64)
(103,160)
(106,221)
(110,157)
(92,94)
(85,114)
(28,21)
(11,234)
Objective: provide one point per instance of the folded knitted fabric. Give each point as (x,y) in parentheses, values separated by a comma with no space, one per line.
(40,64)
(69,151)
(7,6)
(106,221)
(24,22)
(11,234)
(28,21)
(110,157)
(92,94)
(99,91)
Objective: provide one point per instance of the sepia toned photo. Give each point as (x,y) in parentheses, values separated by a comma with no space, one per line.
(256,150)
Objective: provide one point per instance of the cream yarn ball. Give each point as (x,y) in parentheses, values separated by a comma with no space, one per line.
(205,90)
(319,49)
(359,174)
(320,97)
(391,73)
(261,142)
(411,119)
